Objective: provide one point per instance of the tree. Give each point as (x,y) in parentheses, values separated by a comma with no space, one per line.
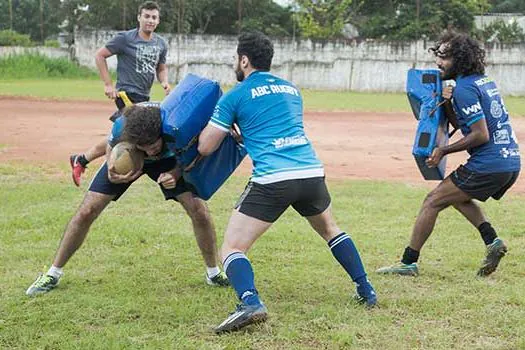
(414,19)
(508,6)
(322,19)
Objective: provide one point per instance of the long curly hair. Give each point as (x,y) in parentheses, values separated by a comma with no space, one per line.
(143,125)
(467,54)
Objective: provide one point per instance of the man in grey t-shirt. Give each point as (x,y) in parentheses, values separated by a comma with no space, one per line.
(141,54)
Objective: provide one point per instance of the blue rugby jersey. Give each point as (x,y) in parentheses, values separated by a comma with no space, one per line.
(118,128)
(476,97)
(269,112)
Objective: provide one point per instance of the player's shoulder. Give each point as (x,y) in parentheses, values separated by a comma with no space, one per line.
(469,84)
(160,39)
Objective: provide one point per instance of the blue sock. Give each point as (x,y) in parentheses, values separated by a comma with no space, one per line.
(347,255)
(240,273)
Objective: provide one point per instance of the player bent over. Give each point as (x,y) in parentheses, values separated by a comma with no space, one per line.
(269,113)
(140,125)
(476,107)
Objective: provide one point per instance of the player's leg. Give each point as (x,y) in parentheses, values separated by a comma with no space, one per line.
(258,207)
(346,253)
(241,233)
(101,192)
(482,187)
(313,202)
(444,195)
(205,235)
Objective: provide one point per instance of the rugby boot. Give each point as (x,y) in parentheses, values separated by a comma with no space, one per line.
(495,251)
(365,294)
(400,269)
(243,316)
(219,280)
(77,169)
(42,284)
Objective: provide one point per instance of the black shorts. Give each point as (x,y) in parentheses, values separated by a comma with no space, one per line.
(267,202)
(101,183)
(133,97)
(482,186)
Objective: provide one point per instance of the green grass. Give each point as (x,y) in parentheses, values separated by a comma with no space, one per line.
(92,89)
(138,280)
(33,65)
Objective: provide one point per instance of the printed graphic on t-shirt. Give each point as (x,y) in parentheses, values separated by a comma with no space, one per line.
(147,58)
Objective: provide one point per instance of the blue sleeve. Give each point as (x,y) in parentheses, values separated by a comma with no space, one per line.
(225,111)
(467,103)
(117,43)
(116,131)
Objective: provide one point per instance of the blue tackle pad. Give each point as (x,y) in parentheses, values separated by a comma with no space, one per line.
(185,112)
(424,94)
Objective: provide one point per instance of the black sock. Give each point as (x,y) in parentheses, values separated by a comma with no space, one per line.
(82,160)
(488,234)
(410,256)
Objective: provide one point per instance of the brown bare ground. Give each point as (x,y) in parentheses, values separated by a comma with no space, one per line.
(352,145)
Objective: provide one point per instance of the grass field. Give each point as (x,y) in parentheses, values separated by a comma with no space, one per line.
(90,89)
(138,280)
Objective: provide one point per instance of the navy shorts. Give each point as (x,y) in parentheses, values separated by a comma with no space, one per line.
(101,183)
(267,202)
(483,186)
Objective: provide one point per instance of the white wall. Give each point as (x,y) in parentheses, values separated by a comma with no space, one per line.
(338,65)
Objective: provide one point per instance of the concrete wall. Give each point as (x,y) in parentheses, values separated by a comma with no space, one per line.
(46,51)
(365,66)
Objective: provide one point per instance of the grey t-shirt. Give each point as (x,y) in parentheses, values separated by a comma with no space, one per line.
(137,60)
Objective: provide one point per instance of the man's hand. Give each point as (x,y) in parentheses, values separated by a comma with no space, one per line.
(168,180)
(435,157)
(166,87)
(120,179)
(110,91)
(447,92)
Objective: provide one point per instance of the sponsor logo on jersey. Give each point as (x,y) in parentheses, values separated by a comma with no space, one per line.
(509,152)
(495,109)
(475,108)
(501,137)
(483,81)
(290,141)
(492,92)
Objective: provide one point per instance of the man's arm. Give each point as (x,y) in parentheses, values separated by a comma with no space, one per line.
(479,135)
(162,75)
(100,60)
(210,139)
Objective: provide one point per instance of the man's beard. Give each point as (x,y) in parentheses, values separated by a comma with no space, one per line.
(239,74)
(447,74)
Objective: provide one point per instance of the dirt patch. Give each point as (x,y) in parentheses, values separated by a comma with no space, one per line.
(352,145)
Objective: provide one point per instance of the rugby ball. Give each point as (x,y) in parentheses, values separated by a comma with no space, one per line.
(125,157)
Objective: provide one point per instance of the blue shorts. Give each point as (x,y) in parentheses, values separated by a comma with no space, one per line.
(101,183)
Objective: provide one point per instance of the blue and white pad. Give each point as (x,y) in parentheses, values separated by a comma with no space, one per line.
(424,94)
(185,112)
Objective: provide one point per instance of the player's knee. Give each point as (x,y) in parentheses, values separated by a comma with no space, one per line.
(434,201)
(198,212)
(87,213)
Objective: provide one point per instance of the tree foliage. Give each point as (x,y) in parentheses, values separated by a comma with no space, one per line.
(316,19)
(414,19)
(323,19)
